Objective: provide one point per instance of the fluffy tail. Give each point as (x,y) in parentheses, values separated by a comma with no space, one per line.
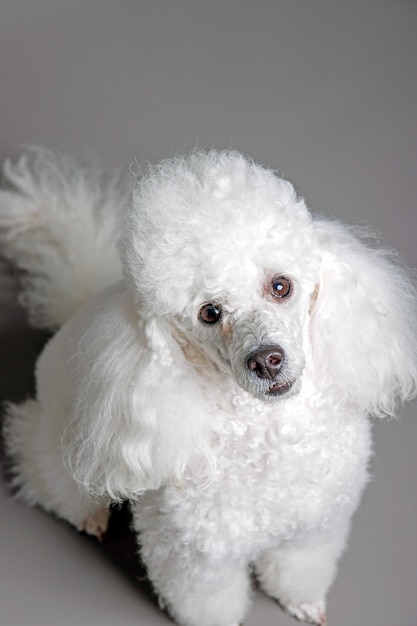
(58,227)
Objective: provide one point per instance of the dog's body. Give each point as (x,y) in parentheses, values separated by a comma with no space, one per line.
(223,387)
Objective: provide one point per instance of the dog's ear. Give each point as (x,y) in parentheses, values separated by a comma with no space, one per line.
(364,325)
(139,420)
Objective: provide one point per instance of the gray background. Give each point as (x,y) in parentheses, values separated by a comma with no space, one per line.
(323,90)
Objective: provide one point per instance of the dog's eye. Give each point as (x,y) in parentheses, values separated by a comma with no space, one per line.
(280,287)
(210,313)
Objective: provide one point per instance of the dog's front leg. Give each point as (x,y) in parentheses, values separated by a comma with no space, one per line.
(299,574)
(197,592)
(196,587)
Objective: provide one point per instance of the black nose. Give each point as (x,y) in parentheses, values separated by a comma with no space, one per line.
(266,363)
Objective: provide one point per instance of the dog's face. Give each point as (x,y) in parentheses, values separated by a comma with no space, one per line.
(255,329)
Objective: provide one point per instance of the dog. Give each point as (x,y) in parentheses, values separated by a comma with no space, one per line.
(218,354)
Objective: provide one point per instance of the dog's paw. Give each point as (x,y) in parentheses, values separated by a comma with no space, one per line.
(96,523)
(311,613)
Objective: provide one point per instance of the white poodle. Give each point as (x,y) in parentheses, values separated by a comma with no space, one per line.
(223,385)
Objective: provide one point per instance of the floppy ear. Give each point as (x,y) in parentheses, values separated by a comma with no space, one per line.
(364,325)
(138,420)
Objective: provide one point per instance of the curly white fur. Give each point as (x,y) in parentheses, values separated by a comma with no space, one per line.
(230,462)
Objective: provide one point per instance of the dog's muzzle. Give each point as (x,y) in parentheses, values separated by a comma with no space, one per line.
(268,365)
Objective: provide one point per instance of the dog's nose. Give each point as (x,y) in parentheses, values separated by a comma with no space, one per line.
(266,363)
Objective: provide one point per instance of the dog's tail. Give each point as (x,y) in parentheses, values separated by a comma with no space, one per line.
(58,227)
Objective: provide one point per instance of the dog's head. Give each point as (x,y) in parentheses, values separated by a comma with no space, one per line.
(217,245)
(226,254)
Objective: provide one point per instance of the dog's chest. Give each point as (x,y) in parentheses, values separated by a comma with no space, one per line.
(278,474)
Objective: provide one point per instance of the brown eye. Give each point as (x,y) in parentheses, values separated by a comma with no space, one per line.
(280,287)
(210,313)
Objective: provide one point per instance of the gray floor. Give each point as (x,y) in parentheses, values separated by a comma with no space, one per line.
(325,91)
